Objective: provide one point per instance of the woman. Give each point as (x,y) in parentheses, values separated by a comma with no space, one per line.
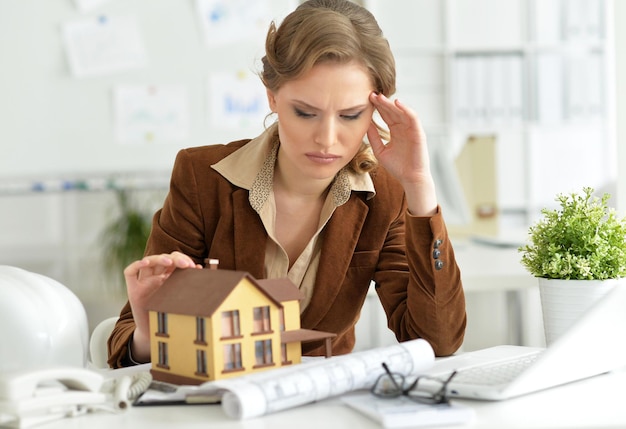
(307,199)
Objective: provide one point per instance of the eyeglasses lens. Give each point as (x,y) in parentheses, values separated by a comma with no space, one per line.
(389,385)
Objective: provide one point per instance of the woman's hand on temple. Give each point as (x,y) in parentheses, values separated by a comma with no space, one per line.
(406,154)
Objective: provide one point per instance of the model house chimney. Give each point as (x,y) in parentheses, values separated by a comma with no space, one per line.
(211,263)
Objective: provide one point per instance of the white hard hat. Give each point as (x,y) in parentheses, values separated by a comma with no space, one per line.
(42,322)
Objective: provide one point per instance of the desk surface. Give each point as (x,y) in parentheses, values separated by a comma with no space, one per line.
(592,403)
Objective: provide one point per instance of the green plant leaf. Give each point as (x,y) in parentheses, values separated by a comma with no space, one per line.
(124,238)
(583,239)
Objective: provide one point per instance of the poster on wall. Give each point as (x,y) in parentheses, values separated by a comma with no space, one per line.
(101,45)
(231,21)
(236,100)
(151,113)
(88,5)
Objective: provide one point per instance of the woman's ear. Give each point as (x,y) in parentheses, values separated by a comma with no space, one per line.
(271,100)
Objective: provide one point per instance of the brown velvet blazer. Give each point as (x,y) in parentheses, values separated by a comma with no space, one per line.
(205,215)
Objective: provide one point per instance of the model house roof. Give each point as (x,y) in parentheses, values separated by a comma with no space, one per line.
(281,289)
(206,289)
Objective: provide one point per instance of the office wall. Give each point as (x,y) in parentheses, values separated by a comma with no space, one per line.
(57,122)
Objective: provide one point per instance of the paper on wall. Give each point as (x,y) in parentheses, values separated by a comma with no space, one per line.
(151,113)
(102,45)
(87,5)
(236,100)
(230,21)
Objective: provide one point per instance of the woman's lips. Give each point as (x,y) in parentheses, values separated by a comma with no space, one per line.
(322,158)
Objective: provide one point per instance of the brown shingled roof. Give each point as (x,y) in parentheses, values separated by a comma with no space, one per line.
(205,290)
(281,289)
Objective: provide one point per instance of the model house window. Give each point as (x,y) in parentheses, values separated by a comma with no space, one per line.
(262,319)
(232,357)
(283,352)
(201,362)
(163,355)
(230,324)
(161,323)
(281,319)
(263,352)
(200,330)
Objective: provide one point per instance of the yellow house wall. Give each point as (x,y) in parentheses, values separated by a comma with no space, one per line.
(181,346)
(292,322)
(292,315)
(294,353)
(244,298)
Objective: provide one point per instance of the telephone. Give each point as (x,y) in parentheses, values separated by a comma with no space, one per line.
(32,397)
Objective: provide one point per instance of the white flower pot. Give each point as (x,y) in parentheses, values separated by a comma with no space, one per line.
(563,302)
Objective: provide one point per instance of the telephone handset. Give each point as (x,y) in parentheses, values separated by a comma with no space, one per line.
(29,398)
(19,385)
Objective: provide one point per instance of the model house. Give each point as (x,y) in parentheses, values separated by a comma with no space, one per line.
(211,324)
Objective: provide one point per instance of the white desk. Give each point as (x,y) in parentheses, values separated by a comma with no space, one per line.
(489,268)
(592,403)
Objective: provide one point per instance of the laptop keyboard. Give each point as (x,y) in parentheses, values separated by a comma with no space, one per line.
(496,373)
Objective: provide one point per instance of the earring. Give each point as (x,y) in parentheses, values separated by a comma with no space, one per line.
(269,116)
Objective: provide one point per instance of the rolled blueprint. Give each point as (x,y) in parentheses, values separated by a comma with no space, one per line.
(261,393)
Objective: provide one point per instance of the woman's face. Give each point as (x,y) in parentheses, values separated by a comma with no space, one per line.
(322,119)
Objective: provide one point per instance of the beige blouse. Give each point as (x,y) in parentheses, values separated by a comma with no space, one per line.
(252,168)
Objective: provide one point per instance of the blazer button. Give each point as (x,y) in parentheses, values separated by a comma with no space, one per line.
(436,253)
(438,265)
(437,243)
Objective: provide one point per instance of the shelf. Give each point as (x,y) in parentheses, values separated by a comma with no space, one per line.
(67,184)
(527,71)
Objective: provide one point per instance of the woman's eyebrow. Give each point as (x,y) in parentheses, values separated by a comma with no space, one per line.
(306,105)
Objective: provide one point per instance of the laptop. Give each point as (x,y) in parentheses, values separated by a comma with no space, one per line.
(594,345)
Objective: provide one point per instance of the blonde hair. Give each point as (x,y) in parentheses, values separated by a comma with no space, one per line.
(329,30)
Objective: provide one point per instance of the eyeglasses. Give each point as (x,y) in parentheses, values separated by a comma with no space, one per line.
(424,389)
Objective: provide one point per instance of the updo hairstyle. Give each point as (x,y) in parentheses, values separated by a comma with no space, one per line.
(320,31)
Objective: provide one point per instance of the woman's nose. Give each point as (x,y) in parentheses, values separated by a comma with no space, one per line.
(326,134)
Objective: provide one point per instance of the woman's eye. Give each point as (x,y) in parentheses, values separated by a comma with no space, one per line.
(352,117)
(303,114)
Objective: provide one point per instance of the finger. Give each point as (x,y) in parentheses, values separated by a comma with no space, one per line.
(376,142)
(181,260)
(408,112)
(169,261)
(388,110)
(403,107)
(396,113)
(133,270)
(153,265)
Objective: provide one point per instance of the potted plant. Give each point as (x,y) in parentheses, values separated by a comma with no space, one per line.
(123,239)
(578,253)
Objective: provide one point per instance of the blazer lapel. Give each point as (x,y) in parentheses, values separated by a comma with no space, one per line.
(249,237)
(341,235)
